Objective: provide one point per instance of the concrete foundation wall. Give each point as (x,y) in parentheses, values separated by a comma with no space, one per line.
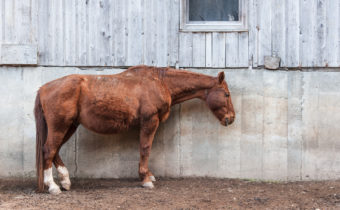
(286,128)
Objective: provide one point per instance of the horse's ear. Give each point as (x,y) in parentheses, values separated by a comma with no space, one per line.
(220,77)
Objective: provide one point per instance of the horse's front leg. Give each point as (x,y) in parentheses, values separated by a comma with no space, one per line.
(147,133)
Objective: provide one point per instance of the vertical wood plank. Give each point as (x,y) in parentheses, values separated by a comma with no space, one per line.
(208,49)
(218,50)
(76,35)
(42,33)
(51,34)
(23,24)
(173,18)
(173,33)
(162,42)
(264,10)
(232,48)
(82,29)
(112,44)
(2,15)
(185,50)
(34,22)
(68,32)
(320,37)
(120,31)
(198,50)
(307,18)
(103,33)
(58,40)
(150,36)
(333,34)
(243,47)
(9,21)
(292,33)
(87,28)
(253,32)
(63,29)
(91,31)
(338,46)
(1,24)
(134,34)
(278,31)
(18,16)
(70,59)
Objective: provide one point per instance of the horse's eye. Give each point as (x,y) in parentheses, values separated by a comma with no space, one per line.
(227,95)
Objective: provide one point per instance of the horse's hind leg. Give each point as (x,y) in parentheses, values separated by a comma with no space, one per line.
(63,173)
(53,142)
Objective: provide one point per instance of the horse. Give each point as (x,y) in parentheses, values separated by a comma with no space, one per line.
(141,96)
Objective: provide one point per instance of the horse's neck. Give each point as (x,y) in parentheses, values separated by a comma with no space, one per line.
(185,85)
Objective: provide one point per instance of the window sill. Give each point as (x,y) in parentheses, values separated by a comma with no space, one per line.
(211,28)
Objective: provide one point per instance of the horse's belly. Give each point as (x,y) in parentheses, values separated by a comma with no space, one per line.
(107,121)
(103,126)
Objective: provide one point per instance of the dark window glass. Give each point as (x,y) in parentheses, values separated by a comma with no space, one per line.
(213,10)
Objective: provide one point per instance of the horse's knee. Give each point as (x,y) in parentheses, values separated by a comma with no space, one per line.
(48,152)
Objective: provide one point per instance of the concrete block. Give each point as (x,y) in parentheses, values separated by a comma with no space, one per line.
(294,139)
(12,121)
(110,155)
(31,84)
(285,129)
(229,141)
(19,54)
(275,84)
(251,157)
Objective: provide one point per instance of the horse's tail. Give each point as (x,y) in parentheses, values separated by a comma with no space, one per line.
(41,135)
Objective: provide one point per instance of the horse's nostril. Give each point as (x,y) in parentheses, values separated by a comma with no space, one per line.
(226,121)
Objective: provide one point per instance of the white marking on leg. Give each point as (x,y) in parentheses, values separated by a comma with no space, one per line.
(148,185)
(64,177)
(53,188)
(152,178)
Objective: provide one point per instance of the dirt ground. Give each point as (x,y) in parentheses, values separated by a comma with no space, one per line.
(188,193)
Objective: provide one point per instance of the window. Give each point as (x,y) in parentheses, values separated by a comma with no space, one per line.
(213,15)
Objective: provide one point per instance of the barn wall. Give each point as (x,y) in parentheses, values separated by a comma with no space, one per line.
(286,125)
(125,33)
(286,128)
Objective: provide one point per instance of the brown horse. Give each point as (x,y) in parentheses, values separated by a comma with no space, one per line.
(140,96)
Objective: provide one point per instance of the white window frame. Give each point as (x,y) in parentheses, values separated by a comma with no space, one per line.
(213,26)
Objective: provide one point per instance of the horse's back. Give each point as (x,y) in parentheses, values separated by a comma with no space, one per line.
(111,103)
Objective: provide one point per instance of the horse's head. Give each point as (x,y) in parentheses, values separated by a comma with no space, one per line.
(219,101)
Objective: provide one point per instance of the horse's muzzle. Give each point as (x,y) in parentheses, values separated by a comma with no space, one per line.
(228,121)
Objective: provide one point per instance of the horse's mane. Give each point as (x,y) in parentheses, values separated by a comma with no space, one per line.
(161,72)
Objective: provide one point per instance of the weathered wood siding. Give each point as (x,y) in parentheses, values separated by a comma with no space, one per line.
(304,33)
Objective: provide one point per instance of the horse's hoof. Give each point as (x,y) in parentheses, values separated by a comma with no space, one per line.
(54,190)
(152,178)
(148,185)
(66,185)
